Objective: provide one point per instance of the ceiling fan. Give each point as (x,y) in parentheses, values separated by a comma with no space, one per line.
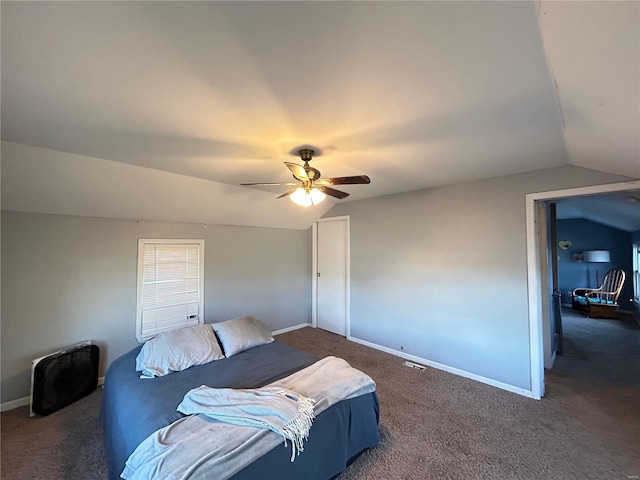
(310,188)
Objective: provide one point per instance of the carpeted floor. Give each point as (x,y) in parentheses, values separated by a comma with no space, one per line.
(434,425)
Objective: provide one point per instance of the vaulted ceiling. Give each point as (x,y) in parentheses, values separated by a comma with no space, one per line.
(214,94)
(618,210)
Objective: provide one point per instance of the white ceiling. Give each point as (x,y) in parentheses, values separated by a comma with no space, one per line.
(413,94)
(593,50)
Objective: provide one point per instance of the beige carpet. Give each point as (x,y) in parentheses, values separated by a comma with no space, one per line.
(434,425)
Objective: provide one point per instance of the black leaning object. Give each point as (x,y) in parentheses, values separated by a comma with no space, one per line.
(62,378)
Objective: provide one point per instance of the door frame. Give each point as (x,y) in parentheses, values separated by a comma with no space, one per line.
(544,224)
(537,246)
(314,271)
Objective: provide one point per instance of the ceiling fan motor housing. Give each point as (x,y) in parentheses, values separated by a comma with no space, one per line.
(306,154)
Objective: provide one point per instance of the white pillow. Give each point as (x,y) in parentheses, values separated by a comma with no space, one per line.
(178,350)
(241,334)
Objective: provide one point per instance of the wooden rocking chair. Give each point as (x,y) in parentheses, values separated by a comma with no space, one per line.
(600,302)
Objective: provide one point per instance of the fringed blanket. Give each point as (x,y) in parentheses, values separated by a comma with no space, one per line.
(200,447)
(284,412)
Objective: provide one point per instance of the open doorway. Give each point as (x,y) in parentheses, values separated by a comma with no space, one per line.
(538,244)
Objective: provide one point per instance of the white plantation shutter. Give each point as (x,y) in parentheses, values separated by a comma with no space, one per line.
(170,286)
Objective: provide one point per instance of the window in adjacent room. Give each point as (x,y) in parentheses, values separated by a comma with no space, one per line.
(170,286)
(636,272)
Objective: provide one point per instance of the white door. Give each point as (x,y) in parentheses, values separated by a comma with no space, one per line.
(332,274)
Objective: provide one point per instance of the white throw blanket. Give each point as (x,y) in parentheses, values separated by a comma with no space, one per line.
(284,412)
(198,447)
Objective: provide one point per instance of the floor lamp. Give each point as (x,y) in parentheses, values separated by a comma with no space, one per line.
(597,256)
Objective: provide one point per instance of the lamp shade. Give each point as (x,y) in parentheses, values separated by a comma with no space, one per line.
(597,256)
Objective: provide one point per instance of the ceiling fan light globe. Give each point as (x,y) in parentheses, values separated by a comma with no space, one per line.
(301,197)
(306,198)
(316,196)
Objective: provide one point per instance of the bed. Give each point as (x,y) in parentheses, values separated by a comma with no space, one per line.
(134,408)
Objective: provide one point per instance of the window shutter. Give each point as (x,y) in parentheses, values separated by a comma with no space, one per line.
(170,288)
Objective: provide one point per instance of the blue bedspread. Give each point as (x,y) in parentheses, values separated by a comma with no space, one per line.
(133,408)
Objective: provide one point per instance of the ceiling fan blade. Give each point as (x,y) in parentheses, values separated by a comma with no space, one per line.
(312,173)
(288,193)
(355,180)
(332,191)
(298,171)
(264,184)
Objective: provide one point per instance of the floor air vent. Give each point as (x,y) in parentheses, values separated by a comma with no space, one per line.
(417,366)
(61,378)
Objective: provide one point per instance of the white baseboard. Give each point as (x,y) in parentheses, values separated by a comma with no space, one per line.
(446,368)
(21,402)
(291,329)
(10,405)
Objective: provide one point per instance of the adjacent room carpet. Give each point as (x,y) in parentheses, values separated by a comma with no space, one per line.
(434,425)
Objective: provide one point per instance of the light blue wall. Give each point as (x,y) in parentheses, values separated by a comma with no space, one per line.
(443,272)
(587,235)
(69,279)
